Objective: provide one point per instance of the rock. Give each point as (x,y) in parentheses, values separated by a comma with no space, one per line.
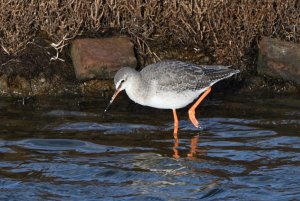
(101,58)
(97,87)
(279,59)
(261,86)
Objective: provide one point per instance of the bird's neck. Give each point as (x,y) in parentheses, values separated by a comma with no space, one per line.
(137,90)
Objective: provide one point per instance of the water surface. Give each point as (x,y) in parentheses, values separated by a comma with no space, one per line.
(63,149)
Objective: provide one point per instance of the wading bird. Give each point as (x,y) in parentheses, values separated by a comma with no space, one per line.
(170,85)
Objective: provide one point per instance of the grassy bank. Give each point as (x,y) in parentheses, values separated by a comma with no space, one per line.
(229,30)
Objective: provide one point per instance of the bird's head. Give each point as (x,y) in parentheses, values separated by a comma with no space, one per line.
(121,80)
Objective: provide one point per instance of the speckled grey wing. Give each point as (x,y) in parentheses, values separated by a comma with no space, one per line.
(216,73)
(175,76)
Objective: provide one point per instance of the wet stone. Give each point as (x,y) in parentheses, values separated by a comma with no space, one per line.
(101,58)
(279,59)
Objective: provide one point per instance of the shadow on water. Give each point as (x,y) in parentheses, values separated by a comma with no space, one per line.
(63,149)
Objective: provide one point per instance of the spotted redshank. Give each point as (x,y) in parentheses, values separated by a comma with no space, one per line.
(170,85)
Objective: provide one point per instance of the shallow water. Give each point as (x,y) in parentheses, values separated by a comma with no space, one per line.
(63,149)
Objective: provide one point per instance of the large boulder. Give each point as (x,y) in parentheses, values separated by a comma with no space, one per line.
(101,58)
(279,59)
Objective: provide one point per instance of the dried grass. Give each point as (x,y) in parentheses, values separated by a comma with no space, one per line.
(229,29)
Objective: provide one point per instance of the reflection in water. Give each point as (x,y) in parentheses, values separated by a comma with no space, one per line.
(194,143)
(175,148)
(245,152)
(194,151)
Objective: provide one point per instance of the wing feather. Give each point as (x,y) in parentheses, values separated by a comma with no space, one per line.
(175,76)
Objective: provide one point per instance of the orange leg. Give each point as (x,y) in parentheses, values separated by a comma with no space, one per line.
(175,124)
(176,153)
(192,109)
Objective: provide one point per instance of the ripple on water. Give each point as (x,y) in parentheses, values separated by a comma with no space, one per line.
(65,145)
(232,158)
(293,113)
(64,113)
(4,149)
(229,128)
(280,141)
(123,176)
(107,128)
(264,182)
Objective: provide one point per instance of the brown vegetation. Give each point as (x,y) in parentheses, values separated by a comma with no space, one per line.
(228,29)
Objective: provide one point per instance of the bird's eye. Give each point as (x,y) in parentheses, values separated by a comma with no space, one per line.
(119,84)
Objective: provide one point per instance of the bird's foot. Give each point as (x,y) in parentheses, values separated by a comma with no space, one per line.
(193,118)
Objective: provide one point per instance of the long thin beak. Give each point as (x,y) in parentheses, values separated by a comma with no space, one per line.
(113,98)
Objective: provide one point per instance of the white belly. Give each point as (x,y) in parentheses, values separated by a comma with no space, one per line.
(171,100)
(162,99)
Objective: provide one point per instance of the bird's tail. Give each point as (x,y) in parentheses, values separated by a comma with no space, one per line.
(217,73)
